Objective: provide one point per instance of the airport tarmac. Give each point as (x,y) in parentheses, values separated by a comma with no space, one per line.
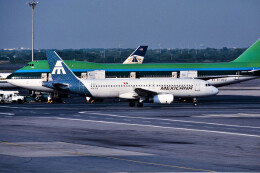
(221,134)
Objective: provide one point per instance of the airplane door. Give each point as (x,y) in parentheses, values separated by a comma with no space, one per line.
(197,86)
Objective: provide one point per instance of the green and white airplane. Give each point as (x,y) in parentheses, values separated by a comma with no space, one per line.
(245,67)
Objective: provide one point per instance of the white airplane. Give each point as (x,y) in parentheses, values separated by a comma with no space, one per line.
(135,90)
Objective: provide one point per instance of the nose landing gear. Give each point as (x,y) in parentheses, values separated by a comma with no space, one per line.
(195,102)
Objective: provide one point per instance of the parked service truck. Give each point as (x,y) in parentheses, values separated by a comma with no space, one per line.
(10,97)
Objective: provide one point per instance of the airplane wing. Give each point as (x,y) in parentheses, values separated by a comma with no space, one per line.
(144,92)
(255,72)
(212,77)
(215,77)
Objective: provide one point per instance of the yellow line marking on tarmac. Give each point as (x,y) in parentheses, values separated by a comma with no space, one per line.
(107,157)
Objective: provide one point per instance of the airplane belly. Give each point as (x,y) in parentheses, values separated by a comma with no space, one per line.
(104,93)
(183,93)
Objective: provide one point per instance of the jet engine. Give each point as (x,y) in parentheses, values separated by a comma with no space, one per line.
(163,98)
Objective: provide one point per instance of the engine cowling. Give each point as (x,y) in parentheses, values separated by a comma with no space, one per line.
(163,98)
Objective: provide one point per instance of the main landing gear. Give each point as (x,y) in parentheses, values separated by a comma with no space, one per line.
(133,102)
(55,98)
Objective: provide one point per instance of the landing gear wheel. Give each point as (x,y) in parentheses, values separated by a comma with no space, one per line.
(131,104)
(20,101)
(195,102)
(140,104)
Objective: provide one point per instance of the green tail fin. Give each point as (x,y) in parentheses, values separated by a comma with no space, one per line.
(252,54)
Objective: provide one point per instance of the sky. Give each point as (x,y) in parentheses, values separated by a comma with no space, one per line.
(63,24)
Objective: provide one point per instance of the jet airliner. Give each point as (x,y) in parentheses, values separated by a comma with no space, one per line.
(156,90)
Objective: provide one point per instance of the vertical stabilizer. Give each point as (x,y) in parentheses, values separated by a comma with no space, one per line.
(59,70)
(252,54)
(137,56)
(63,78)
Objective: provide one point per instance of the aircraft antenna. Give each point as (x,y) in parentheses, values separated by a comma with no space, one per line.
(33,5)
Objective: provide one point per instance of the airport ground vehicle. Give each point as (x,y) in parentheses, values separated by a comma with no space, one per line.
(157,90)
(11,96)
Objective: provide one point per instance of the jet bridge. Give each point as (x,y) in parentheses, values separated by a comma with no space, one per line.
(96,74)
(188,74)
(46,77)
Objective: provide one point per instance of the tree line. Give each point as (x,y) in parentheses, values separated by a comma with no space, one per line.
(115,55)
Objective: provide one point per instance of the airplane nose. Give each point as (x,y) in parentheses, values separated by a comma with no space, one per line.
(214,90)
(11,81)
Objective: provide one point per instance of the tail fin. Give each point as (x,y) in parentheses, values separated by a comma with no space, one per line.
(63,78)
(252,54)
(137,56)
(59,70)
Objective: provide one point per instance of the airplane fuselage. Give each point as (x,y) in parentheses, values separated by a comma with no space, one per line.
(125,88)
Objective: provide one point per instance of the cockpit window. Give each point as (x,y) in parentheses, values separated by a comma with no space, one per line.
(207,84)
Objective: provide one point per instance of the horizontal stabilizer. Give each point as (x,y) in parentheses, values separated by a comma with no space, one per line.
(62,86)
(57,85)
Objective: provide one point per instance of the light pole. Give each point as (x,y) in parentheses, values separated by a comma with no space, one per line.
(33,5)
